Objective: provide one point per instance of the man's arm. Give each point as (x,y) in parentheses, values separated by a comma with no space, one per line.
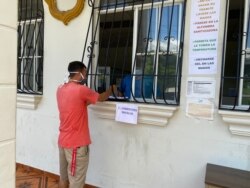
(105,95)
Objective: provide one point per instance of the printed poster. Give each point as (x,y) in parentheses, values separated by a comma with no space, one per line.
(204,36)
(201,87)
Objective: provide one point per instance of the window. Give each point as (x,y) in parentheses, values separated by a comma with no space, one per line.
(138,46)
(235,81)
(30,47)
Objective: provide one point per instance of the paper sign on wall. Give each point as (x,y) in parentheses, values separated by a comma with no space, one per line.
(200,108)
(127,113)
(204,27)
(201,87)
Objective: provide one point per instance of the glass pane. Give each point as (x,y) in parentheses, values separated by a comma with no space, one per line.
(113,3)
(119,3)
(28,76)
(39,75)
(144,76)
(164,23)
(248,34)
(169,29)
(115,52)
(29,40)
(103,78)
(246,83)
(19,66)
(246,91)
(167,77)
(39,38)
(248,29)
(231,74)
(29,9)
(19,42)
(247,64)
(147,33)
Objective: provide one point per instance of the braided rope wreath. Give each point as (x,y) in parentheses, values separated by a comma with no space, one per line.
(65,16)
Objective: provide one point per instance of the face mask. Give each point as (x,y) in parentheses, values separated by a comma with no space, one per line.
(82,81)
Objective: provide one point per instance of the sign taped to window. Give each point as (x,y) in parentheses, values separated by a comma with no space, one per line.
(126,113)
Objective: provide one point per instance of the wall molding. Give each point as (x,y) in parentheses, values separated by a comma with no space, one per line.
(239,122)
(148,114)
(28,101)
(68,15)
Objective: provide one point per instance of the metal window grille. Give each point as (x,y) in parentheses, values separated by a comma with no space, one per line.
(30,47)
(235,80)
(137,45)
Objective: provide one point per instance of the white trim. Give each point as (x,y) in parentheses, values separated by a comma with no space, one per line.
(244,42)
(148,114)
(238,122)
(28,101)
(29,21)
(145,6)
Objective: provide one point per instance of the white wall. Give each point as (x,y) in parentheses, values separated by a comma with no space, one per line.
(124,156)
(37,130)
(8,40)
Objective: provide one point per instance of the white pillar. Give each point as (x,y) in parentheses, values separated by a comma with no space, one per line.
(8,67)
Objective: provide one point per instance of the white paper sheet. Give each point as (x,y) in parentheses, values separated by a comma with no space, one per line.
(127,113)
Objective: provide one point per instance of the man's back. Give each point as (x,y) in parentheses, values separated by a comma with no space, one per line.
(72,100)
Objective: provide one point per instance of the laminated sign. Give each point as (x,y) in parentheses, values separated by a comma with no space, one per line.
(127,113)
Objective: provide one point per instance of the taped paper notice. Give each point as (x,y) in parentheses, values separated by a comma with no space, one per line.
(200,87)
(200,108)
(127,113)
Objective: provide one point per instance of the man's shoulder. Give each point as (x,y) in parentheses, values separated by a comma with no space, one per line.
(60,86)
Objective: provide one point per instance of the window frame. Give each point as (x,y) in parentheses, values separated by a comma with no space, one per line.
(244,47)
(238,106)
(157,52)
(30,35)
(92,68)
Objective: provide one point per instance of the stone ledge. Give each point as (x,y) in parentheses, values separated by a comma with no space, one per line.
(27,101)
(239,123)
(148,114)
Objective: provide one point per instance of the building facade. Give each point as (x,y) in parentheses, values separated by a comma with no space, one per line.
(8,38)
(192,113)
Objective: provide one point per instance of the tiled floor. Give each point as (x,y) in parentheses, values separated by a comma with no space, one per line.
(28,177)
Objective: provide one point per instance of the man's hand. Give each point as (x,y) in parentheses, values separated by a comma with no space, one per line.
(113,90)
(105,95)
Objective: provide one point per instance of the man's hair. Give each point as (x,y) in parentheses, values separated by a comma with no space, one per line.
(75,66)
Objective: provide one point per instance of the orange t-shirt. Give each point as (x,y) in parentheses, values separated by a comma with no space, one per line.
(72,101)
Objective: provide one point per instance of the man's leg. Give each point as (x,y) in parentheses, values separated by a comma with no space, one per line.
(82,161)
(64,181)
(63,184)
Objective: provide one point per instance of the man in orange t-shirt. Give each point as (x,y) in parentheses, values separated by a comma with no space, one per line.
(74,138)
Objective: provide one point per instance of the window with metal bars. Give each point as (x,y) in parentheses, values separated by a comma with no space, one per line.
(235,80)
(30,47)
(138,46)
